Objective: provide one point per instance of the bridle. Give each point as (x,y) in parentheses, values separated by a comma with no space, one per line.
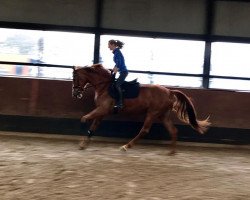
(78,90)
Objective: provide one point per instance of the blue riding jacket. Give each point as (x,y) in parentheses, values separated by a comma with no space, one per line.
(119,60)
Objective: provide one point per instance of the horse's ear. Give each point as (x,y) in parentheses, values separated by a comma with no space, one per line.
(97,65)
(76,67)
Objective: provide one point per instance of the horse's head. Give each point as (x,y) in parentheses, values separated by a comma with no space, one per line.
(79,82)
(95,75)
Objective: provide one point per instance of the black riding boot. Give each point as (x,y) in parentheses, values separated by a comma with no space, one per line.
(119,103)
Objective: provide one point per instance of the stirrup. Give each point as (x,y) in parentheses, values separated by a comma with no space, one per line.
(118,106)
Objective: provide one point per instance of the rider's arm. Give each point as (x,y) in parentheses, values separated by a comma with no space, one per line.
(118,61)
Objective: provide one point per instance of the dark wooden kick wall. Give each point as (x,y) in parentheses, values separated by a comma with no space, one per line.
(46,106)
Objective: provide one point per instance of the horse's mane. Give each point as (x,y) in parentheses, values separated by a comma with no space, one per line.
(96,68)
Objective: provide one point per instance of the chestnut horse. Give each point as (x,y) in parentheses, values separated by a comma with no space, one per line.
(157,102)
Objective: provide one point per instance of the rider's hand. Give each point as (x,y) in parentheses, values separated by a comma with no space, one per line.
(115,70)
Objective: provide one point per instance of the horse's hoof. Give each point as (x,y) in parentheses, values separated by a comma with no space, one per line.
(172,153)
(123,148)
(82,147)
(84,144)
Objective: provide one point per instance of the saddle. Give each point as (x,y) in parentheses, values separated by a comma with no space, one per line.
(130,89)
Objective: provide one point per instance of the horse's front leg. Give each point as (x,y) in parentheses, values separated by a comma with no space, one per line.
(85,140)
(96,115)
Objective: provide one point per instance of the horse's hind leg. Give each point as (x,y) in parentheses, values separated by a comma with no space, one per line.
(168,124)
(144,130)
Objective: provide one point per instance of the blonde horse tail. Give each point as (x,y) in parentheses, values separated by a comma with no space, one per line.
(185,111)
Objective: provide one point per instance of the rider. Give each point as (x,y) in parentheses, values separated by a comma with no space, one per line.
(115,46)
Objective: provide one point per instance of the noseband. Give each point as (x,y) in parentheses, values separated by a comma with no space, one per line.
(77,92)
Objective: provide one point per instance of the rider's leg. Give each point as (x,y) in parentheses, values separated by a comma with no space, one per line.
(119,102)
(120,80)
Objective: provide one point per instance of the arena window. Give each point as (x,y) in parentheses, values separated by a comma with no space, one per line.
(230,66)
(44,47)
(162,59)
(171,62)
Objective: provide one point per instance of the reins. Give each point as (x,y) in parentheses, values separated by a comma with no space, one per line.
(90,85)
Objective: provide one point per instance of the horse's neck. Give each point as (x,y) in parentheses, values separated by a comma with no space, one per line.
(100,85)
(101,89)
